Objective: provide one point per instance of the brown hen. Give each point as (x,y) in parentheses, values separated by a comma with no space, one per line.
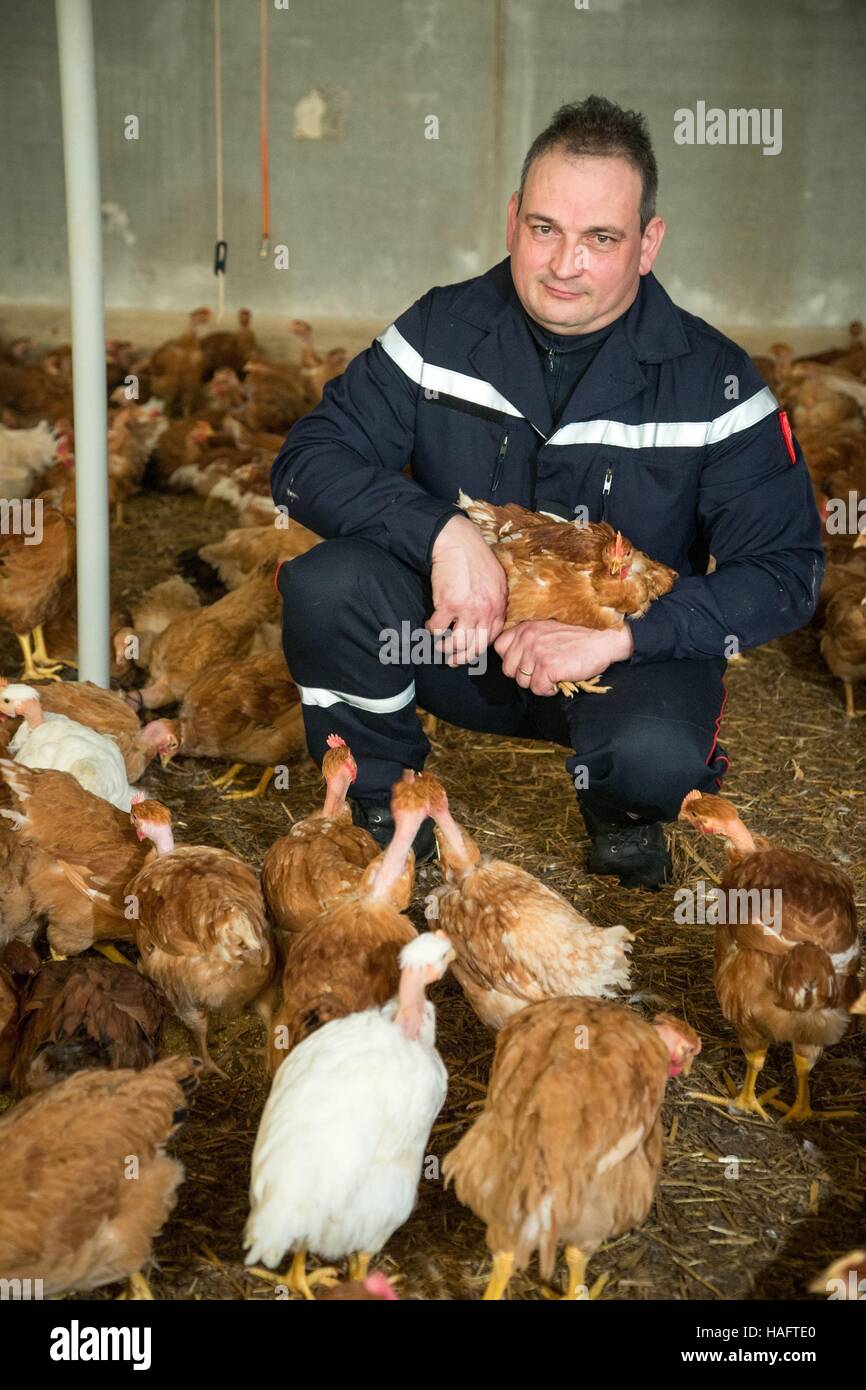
(200,926)
(787,952)
(323,857)
(276,396)
(18,964)
(243,549)
(843,641)
(190,644)
(348,960)
(568,1147)
(84,851)
(585,575)
(516,940)
(246,711)
(34,582)
(18,916)
(79,1015)
(176,367)
(160,606)
(224,349)
(71,1216)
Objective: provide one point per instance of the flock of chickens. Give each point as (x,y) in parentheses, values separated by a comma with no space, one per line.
(825,396)
(567,1150)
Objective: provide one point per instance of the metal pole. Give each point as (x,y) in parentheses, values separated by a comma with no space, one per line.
(84,229)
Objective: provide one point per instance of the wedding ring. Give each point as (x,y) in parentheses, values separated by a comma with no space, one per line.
(524,673)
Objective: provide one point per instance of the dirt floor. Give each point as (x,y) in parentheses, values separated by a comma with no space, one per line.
(745,1209)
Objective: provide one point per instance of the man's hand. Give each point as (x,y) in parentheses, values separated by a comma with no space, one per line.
(469,590)
(550,652)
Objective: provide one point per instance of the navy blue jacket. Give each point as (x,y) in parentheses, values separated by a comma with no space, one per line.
(671,436)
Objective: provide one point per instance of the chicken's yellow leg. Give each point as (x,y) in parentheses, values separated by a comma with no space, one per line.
(503,1263)
(297,1279)
(139,1288)
(31,671)
(111,953)
(590,687)
(850,711)
(747,1099)
(359,1264)
(40,654)
(576,1289)
(227,777)
(258,790)
(802,1110)
(197,1021)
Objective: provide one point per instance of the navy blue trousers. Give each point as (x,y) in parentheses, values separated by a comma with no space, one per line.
(347,603)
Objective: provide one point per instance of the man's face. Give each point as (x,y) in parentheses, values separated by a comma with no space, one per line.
(577,251)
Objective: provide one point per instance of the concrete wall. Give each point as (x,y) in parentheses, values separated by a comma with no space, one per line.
(372,211)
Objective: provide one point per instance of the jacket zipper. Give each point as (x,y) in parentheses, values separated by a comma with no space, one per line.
(499,464)
(605,492)
(550,359)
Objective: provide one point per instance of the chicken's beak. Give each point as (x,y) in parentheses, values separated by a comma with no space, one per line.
(165,758)
(687,1065)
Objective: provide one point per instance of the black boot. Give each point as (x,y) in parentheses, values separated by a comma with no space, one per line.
(635,850)
(376,817)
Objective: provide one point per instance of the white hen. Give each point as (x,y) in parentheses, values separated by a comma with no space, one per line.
(57,742)
(342,1137)
(24,456)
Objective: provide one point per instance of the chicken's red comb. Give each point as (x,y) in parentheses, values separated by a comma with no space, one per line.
(334,741)
(378,1285)
(618,549)
(690,797)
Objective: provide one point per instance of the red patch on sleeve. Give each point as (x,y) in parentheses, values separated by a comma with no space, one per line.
(787,435)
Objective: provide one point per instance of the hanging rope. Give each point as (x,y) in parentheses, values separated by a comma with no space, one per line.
(263,127)
(221,247)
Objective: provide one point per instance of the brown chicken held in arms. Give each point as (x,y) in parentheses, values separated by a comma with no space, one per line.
(84,852)
(78,1015)
(248,712)
(568,1147)
(516,940)
(584,575)
(324,856)
(787,953)
(348,960)
(72,1216)
(200,928)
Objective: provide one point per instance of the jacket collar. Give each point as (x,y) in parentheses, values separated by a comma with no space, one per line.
(650,331)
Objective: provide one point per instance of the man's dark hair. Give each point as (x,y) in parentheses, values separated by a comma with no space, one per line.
(597,126)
